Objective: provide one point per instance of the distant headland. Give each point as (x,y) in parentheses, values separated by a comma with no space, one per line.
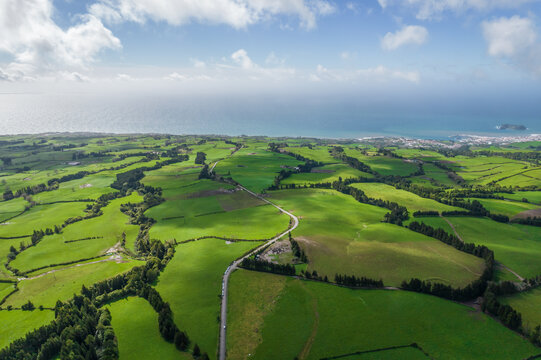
(511,127)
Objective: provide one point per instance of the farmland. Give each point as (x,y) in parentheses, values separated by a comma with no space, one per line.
(308,247)
(443,330)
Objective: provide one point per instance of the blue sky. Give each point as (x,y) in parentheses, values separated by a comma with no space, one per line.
(408,48)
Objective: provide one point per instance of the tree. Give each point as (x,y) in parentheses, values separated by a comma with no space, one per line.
(8,195)
(29,306)
(6,160)
(196,351)
(200,158)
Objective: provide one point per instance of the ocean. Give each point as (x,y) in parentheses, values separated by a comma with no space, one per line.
(235,115)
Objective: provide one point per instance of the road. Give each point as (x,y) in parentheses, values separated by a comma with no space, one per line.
(235,264)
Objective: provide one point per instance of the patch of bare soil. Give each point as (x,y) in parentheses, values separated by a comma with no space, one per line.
(322,171)
(84,186)
(206,193)
(27,179)
(251,154)
(528,213)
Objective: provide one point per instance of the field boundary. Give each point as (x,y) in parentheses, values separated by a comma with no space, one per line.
(413,345)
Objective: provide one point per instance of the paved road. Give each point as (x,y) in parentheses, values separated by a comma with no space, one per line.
(234,265)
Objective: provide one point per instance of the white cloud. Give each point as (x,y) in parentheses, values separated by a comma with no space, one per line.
(273,59)
(368,75)
(381,73)
(198,63)
(509,36)
(124,77)
(411,34)
(433,9)
(241,57)
(39,46)
(236,13)
(515,39)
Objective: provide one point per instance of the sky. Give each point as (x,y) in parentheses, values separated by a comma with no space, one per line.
(399,53)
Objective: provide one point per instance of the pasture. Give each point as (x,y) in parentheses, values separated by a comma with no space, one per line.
(405,198)
(191,283)
(533,197)
(316,153)
(138,336)
(254,168)
(41,217)
(365,320)
(340,235)
(84,239)
(62,284)
(323,174)
(527,303)
(506,207)
(384,165)
(516,246)
(16,323)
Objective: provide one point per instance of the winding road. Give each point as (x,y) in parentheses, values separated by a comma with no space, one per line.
(235,264)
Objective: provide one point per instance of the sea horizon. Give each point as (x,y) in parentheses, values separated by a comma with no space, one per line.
(276,117)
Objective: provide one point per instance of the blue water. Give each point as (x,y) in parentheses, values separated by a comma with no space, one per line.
(258,115)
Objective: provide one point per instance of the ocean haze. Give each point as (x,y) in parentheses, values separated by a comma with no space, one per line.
(345,116)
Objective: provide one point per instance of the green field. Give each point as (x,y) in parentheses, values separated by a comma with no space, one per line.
(506,172)
(384,165)
(533,197)
(316,153)
(506,207)
(516,246)
(191,283)
(138,336)
(364,320)
(11,208)
(16,323)
(269,316)
(527,304)
(254,168)
(107,230)
(404,198)
(327,173)
(63,284)
(343,236)
(41,217)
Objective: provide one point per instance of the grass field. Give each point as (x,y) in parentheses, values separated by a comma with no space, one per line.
(340,235)
(364,320)
(527,303)
(384,165)
(533,197)
(138,336)
(11,208)
(191,283)
(317,153)
(257,223)
(270,316)
(327,173)
(516,246)
(89,187)
(254,168)
(411,201)
(482,170)
(16,323)
(41,217)
(435,173)
(63,284)
(505,207)
(108,229)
